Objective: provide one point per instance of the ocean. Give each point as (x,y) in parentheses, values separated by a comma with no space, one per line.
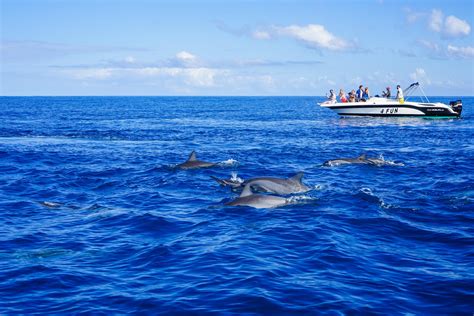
(96,219)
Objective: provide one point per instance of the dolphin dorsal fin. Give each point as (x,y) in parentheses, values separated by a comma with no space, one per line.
(246,191)
(362,157)
(297,177)
(192,156)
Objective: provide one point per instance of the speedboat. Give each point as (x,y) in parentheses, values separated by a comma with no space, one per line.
(379,106)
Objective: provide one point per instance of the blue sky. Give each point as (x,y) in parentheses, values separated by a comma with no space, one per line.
(144,47)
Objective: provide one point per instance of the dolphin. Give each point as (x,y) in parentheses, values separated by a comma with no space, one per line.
(234,182)
(362,159)
(248,198)
(50,204)
(193,163)
(279,186)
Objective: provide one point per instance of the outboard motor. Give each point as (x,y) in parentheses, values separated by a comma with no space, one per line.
(456,106)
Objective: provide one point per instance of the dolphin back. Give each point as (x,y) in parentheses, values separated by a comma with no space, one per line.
(193,163)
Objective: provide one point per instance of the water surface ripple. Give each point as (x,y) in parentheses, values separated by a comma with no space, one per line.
(123,232)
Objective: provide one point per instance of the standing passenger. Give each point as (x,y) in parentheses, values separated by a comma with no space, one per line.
(400,94)
(359,94)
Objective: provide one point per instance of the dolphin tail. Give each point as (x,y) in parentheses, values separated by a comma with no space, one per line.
(297,177)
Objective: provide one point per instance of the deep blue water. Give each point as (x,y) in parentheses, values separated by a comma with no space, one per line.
(125,232)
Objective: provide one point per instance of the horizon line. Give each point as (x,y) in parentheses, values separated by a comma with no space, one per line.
(197,96)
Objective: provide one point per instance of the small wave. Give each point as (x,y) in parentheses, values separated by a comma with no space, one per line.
(100,212)
(42,253)
(368,195)
(300,199)
(318,187)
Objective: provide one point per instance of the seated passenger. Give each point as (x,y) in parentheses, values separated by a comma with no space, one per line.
(352,96)
(332,96)
(365,95)
(387,94)
(342,96)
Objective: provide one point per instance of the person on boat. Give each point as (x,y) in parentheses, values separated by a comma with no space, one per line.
(352,96)
(331,97)
(342,96)
(359,94)
(366,95)
(400,94)
(387,94)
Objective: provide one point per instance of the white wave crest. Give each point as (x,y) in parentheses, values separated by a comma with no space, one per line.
(235,178)
(367,191)
(319,187)
(382,162)
(229,163)
(300,199)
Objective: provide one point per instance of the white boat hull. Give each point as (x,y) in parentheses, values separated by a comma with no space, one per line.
(389,107)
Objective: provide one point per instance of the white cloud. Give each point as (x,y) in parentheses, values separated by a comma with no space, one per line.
(89,73)
(37,51)
(450,27)
(429,45)
(190,75)
(262,35)
(449,51)
(435,22)
(413,16)
(314,35)
(130,59)
(420,76)
(455,27)
(185,56)
(463,52)
(198,77)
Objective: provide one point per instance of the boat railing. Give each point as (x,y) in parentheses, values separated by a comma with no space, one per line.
(412,88)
